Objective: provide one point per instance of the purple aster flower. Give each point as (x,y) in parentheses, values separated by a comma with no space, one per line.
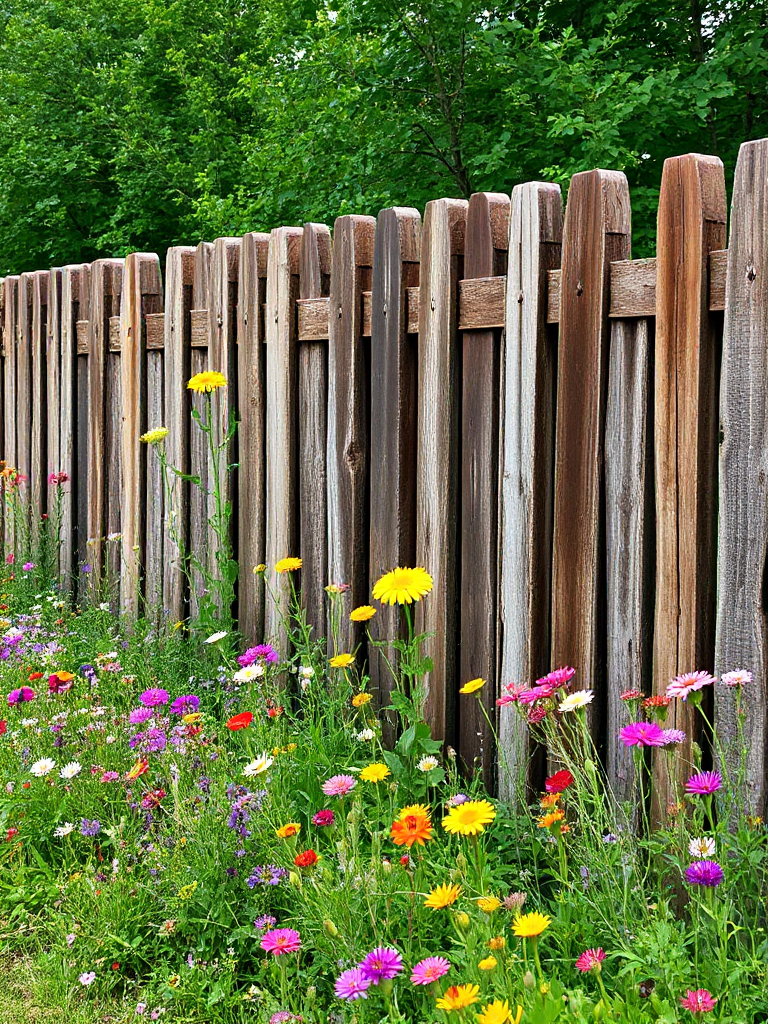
(264,922)
(704,872)
(352,985)
(264,651)
(381,964)
(704,783)
(186,705)
(140,715)
(457,800)
(642,734)
(267,874)
(86,568)
(153,697)
(672,736)
(90,828)
(244,803)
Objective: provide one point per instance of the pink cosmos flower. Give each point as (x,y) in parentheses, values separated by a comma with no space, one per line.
(672,736)
(381,964)
(688,683)
(507,698)
(352,984)
(704,783)
(589,960)
(698,1001)
(739,677)
(281,940)
(642,734)
(339,785)
(429,970)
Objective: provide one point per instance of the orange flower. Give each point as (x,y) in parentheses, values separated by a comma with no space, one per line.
(550,800)
(413,826)
(138,769)
(241,721)
(307,859)
(552,818)
(286,831)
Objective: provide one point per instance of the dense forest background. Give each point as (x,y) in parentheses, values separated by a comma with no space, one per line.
(139,124)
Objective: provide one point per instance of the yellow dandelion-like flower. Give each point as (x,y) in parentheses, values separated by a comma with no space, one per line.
(174,980)
(403,586)
(341,660)
(496,1013)
(547,820)
(488,963)
(457,997)
(363,613)
(374,772)
(472,686)
(443,896)
(259,569)
(288,565)
(207,381)
(470,818)
(286,831)
(497,942)
(361,699)
(420,810)
(154,436)
(488,904)
(192,717)
(528,926)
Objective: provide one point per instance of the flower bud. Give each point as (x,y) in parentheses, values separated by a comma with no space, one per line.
(462,920)
(295,879)
(311,993)
(529,981)
(330,928)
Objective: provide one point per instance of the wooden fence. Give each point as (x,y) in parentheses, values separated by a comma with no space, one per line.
(495,391)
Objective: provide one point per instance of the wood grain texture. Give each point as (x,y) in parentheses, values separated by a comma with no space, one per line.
(348,417)
(314,282)
(82,406)
(153,491)
(24,381)
(742,636)
(482,302)
(142,294)
(630,536)
(633,288)
(485,256)
(282,442)
(10,451)
(74,284)
(691,223)
(394,385)
(53,373)
(596,231)
(177,403)
(313,319)
(38,477)
(529,377)
(198,452)
(718,266)
(155,330)
(437,484)
(251,401)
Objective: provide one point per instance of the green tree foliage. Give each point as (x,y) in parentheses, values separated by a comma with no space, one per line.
(130,124)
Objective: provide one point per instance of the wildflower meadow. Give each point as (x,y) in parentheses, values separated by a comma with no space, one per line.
(196,828)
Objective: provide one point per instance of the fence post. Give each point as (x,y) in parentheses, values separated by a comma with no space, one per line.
(437,486)
(40,412)
(24,382)
(596,231)
(692,213)
(394,376)
(314,283)
(10,449)
(53,373)
(282,418)
(528,374)
(742,637)
(74,290)
(83,407)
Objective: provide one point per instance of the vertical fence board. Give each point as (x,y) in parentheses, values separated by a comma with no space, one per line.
(10,450)
(53,372)
(74,284)
(437,485)
(485,255)
(198,453)
(177,362)
(348,415)
(394,378)
(629,530)
(314,282)
(692,213)
(153,485)
(742,636)
(39,421)
(24,381)
(83,405)
(282,417)
(529,376)
(596,231)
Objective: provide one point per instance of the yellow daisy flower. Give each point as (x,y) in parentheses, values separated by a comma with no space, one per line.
(495,1013)
(457,997)
(363,613)
(286,831)
(154,436)
(472,686)
(403,586)
(288,565)
(207,381)
(488,963)
(530,925)
(361,699)
(374,772)
(443,896)
(470,818)
(341,660)
(488,904)
(497,942)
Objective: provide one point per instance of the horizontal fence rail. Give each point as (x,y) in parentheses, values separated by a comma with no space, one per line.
(574,443)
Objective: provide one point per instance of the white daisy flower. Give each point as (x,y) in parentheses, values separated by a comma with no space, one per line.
(28,722)
(702,849)
(306,671)
(214,638)
(579,699)
(258,766)
(365,735)
(426,764)
(42,767)
(244,675)
(69,771)
(64,830)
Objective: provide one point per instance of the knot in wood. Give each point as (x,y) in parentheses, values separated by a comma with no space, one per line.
(220,321)
(751,273)
(432,304)
(520,298)
(384,309)
(339,313)
(580,288)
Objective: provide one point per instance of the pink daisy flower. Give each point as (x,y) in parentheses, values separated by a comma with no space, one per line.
(703,783)
(339,785)
(323,818)
(281,940)
(631,694)
(557,678)
(688,683)
(739,677)
(381,964)
(589,960)
(352,984)
(698,1001)
(536,693)
(642,734)
(429,970)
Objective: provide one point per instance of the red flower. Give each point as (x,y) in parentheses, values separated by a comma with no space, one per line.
(275,712)
(10,834)
(241,721)
(405,860)
(559,782)
(35,675)
(307,859)
(115,966)
(3,726)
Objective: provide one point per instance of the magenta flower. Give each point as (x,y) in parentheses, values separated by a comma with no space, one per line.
(323,818)
(698,1001)
(672,736)
(589,960)
(381,964)
(739,677)
(109,776)
(559,677)
(536,715)
(186,705)
(429,970)
(281,940)
(689,682)
(140,715)
(704,783)
(536,693)
(339,785)
(642,734)
(153,697)
(252,655)
(24,694)
(352,985)
(704,872)
(28,566)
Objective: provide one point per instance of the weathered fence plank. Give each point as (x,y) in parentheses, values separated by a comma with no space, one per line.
(691,223)
(742,636)
(528,374)
(39,421)
(74,284)
(53,373)
(348,416)
(437,485)
(485,256)
(314,282)
(82,406)
(10,449)
(198,451)
(596,231)
(282,417)
(394,377)
(24,381)
(251,392)
(629,530)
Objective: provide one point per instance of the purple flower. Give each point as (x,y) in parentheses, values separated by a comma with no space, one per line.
(268,874)
(21,695)
(186,705)
(90,828)
(673,736)
(265,651)
(264,922)
(153,697)
(86,568)
(381,964)
(28,566)
(704,872)
(704,783)
(152,741)
(457,800)
(140,715)
(642,734)
(352,985)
